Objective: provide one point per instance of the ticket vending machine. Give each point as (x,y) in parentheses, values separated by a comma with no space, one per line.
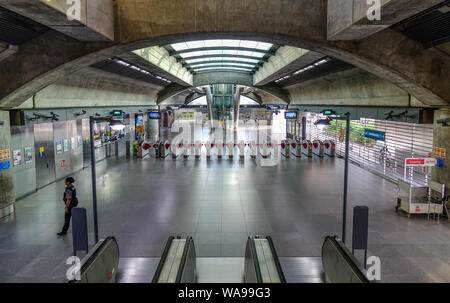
(186,149)
(197,149)
(286,148)
(329,148)
(253,148)
(219,147)
(241,146)
(230,147)
(296,149)
(208,147)
(318,148)
(307,148)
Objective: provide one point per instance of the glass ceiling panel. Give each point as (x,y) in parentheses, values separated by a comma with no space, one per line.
(225,67)
(224,64)
(246,64)
(190,61)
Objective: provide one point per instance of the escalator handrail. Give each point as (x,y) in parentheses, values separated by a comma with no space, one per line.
(255,260)
(183,260)
(162,260)
(276,260)
(94,255)
(353,264)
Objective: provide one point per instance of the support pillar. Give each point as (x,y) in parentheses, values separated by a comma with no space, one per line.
(6,171)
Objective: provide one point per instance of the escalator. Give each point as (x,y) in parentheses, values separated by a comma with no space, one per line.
(178,262)
(261,262)
(101,263)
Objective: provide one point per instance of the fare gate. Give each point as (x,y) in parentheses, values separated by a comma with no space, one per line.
(164,149)
(252,147)
(318,148)
(230,147)
(307,148)
(219,147)
(296,149)
(264,150)
(241,147)
(286,148)
(186,149)
(208,147)
(329,148)
(197,149)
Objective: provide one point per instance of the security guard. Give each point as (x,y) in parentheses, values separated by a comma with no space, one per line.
(70,201)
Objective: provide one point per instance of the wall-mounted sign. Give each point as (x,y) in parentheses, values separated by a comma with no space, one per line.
(374,134)
(59,147)
(17,157)
(41,152)
(63,163)
(28,155)
(66,145)
(420,162)
(5,154)
(440,152)
(5,165)
(328,112)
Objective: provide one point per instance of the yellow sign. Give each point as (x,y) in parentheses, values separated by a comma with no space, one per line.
(41,150)
(440,152)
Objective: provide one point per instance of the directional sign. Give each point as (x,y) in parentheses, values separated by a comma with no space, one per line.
(374,134)
(420,162)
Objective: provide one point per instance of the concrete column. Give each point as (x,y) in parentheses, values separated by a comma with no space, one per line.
(237,103)
(441,138)
(6,172)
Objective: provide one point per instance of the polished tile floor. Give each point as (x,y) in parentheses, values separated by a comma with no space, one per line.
(220,203)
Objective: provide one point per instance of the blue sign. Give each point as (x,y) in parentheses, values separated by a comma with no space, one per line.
(374,134)
(440,163)
(5,165)
(290,115)
(154,115)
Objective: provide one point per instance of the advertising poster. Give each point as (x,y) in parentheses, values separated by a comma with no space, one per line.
(5,154)
(17,157)
(59,147)
(66,145)
(28,155)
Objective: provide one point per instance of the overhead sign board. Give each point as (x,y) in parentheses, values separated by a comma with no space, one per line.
(290,115)
(374,134)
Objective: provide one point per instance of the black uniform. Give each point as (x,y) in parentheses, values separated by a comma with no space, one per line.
(69,193)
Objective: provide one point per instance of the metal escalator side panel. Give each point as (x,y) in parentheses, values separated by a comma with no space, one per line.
(172,263)
(162,260)
(188,271)
(252,272)
(281,276)
(339,264)
(101,263)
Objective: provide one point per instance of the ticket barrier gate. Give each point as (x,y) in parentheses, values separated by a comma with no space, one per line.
(151,148)
(219,147)
(286,148)
(178,262)
(329,148)
(275,149)
(198,149)
(101,262)
(264,150)
(253,148)
(186,149)
(164,149)
(208,147)
(230,147)
(296,149)
(318,148)
(261,262)
(175,149)
(241,147)
(307,148)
